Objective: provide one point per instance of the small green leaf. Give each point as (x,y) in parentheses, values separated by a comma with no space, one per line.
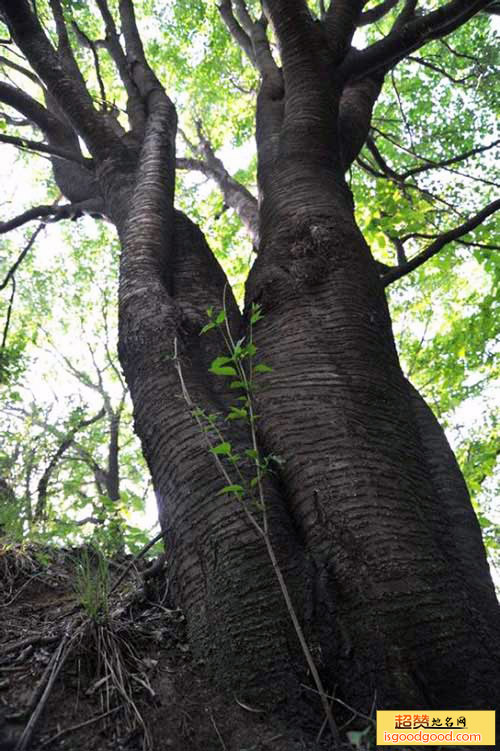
(219,366)
(237,385)
(256,313)
(237,413)
(226,370)
(262,368)
(221,317)
(222,448)
(207,327)
(237,489)
(222,360)
(252,453)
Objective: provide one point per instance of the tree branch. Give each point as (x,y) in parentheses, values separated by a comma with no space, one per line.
(251,36)
(62,448)
(29,107)
(71,95)
(55,212)
(26,143)
(432,164)
(429,164)
(377,13)
(412,34)
(64,46)
(36,212)
(440,242)
(7,319)
(340,23)
(135,106)
(91,45)
(239,35)
(21,256)
(437,69)
(20,69)
(236,195)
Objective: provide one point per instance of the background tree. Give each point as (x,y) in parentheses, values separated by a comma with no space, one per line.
(369,515)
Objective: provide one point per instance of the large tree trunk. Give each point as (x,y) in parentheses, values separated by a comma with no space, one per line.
(369,509)
(375,495)
(362,513)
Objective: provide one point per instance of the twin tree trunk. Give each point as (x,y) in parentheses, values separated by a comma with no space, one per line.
(369,515)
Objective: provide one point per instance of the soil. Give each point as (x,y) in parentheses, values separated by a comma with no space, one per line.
(100,661)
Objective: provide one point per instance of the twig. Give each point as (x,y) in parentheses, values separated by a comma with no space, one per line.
(21,256)
(28,642)
(343,703)
(135,559)
(219,736)
(56,662)
(72,729)
(9,313)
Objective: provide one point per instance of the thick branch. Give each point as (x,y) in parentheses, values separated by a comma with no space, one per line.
(356,108)
(340,23)
(71,95)
(235,194)
(29,107)
(375,14)
(440,242)
(150,89)
(135,106)
(251,36)
(411,35)
(239,35)
(294,28)
(64,46)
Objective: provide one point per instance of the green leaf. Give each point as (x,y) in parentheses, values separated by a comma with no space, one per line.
(237,385)
(237,413)
(219,367)
(207,327)
(223,448)
(262,368)
(237,489)
(221,317)
(256,314)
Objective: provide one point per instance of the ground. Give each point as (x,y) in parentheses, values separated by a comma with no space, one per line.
(94,656)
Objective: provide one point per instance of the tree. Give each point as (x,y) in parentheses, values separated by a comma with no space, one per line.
(369,515)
